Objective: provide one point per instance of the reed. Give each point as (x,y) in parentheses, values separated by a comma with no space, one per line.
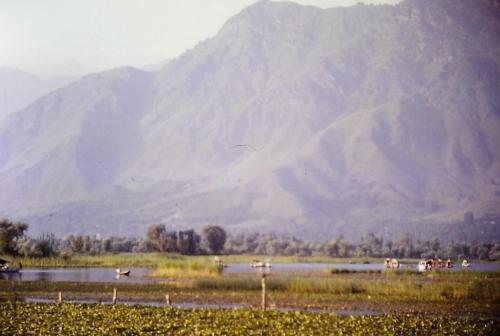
(241,283)
(186,268)
(352,271)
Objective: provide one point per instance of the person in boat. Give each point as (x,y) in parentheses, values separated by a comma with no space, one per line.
(256,263)
(465,263)
(449,263)
(387,263)
(8,268)
(395,263)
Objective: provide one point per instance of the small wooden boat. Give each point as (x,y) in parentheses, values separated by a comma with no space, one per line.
(257,263)
(390,264)
(8,269)
(120,272)
(449,263)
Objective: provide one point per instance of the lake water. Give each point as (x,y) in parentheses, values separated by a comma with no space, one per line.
(79,274)
(300,267)
(141,274)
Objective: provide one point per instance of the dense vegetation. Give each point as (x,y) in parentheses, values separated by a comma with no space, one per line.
(13,241)
(404,286)
(52,319)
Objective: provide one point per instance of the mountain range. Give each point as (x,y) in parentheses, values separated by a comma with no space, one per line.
(18,89)
(293,119)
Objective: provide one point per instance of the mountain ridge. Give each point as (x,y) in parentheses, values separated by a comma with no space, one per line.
(291,119)
(18,89)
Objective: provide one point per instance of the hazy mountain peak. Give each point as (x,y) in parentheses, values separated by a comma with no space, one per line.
(18,89)
(292,118)
(10,71)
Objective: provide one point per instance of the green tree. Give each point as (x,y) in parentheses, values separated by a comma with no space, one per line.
(155,235)
(169,242)
(331,248)
(495,252)
(75,243)
(370,246)
(11,235)
(159,237)
(45,246)
(216,238)
(188,241)
(344,247)
(106,246)
(87,244)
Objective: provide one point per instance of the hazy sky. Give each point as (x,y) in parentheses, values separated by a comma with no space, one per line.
(67,37)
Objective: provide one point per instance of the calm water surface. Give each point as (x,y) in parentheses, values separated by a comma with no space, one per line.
(245,267)
(79,274)
(142,275)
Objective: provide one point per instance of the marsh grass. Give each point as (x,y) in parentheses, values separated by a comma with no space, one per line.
(467,290)
(351,271)
(200,273)
(325,285)
(186,268)
(85,287)
(165,265)
(392,286)
(242,283)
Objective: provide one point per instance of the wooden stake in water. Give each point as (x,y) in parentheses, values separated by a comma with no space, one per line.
(114,295)
(167,300)
(60,299)
(264,297)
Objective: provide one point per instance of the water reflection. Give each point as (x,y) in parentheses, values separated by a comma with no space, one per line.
(11,276)
(80,274)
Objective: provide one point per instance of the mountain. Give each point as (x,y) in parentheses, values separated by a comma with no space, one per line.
(18,89)
(294,119)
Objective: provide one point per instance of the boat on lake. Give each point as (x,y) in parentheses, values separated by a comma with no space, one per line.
(261,264)
(7,268)
(120,272)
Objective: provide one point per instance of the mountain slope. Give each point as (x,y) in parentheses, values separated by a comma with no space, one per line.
(293,119)
(18,89)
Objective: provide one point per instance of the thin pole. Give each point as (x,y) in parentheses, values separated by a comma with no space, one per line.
(114,295)
(60,299)
(264,297)
(167,300)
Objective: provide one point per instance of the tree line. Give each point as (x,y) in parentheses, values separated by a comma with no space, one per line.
(213,239)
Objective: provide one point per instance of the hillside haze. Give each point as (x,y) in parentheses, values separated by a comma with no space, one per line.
(18,89)
(294,119)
